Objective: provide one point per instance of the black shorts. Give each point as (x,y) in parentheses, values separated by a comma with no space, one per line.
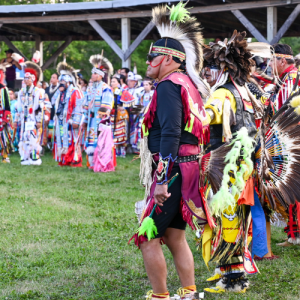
(171,217)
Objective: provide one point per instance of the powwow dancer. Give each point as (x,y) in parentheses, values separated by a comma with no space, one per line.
(173,127)
(283,66)
(144,95)
(99,94)
(231,107)
(119,118)
(30,101)
(104,152)
(6,141)
(67,118)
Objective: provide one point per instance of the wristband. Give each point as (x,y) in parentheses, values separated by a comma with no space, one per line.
(164,168)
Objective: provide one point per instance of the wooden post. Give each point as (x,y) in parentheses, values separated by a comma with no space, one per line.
(107,38)
(57,53)
(286,25)
(39,47)
(126,37)
(271,23)
(249,26)
(138,40)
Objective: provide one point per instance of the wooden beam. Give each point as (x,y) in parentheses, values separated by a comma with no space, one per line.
(249,26)
(126,40)
(107,38)
(12,46)
(286,25)
(271,23)
(139,39)
(57,53)
(144,13)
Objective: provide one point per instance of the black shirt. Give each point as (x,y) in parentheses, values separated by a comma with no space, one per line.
(167,132)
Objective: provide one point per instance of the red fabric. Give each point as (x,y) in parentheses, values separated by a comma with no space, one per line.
(150,114)
(72,103)
(186,214)
(2,77)
(188,90)
(262,78)
(291,221)
(114,157)
(7,116)
(247,195)
(209,217)
(298,214)
(68,158)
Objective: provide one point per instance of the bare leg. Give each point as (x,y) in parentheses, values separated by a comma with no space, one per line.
(182,255)
(155,265)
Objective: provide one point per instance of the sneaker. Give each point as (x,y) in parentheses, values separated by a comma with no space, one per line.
(35,162)
(25,162)
(184,294)
(6,160)
(149,296)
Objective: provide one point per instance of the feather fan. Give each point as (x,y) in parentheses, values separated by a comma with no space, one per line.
(277,157)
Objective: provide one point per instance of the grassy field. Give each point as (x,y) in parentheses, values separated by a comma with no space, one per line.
(64,235)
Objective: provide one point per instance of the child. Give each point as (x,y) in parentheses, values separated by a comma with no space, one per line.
(103,156)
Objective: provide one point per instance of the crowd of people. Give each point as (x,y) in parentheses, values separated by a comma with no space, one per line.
(217,134)
(71,114)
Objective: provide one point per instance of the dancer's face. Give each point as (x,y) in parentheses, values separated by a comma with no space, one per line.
(211,75)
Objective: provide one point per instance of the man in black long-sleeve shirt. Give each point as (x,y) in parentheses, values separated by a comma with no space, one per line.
(173,128)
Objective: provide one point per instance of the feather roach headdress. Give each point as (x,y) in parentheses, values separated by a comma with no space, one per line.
(232,55)
(33,70)
(181,37)
(67,73)
(101,65)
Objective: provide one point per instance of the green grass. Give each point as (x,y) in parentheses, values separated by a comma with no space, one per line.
(64,235)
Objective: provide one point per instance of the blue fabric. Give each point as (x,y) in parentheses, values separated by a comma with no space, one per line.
(259,242)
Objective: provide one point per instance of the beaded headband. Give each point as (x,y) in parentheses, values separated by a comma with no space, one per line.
(287,56)
(98,71)
(168,51)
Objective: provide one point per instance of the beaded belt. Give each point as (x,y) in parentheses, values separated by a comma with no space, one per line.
(183,159)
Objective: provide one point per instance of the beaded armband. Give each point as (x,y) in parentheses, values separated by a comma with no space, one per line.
(164,168)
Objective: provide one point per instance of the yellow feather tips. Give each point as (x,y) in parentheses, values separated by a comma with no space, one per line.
(295,101)
(297,110)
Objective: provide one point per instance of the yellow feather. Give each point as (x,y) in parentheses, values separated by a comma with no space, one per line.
(295,101)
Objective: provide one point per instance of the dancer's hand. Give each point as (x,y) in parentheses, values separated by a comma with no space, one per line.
(161,194)
(15,125)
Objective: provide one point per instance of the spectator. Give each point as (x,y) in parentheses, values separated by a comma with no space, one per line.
(125,71)
(44,85)
(13,102)
(123,81)
(50,91)
(83,84)
(10,71)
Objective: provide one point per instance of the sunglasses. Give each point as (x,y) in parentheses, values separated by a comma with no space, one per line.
(151,56)
(211,66)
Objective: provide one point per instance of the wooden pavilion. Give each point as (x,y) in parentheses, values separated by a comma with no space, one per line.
(126,21)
